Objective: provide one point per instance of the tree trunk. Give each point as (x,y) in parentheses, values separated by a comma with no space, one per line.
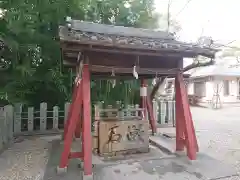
(191,66)
(156,87)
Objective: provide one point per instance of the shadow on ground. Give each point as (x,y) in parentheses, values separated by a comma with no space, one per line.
(150,167)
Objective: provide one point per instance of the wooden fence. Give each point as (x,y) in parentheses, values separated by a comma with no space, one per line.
(164,112)
(41,119)
(19,120)
(6,125)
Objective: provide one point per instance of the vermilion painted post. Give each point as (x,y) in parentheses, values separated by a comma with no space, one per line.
(190,140)
(146,104)
(193,129)
(70,110)
(87,135)
(180,139)
(71,127)
(79,123)
(152,120)
(191,122)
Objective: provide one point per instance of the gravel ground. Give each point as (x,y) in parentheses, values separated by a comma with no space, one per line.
(218,133)
(25,160)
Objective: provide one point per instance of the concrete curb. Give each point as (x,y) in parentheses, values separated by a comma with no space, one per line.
(39,133)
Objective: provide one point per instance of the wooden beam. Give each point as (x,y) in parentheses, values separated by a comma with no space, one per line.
(105,71)
(80,48)
(117,60)
(125,76)
(122,70)
(185,52)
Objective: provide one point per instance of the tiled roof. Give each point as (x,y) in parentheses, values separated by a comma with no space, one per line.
(128,37)
(230,68)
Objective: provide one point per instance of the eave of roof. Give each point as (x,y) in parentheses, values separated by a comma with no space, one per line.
(128,37)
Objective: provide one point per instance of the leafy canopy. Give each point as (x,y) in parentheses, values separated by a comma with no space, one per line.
(30,56)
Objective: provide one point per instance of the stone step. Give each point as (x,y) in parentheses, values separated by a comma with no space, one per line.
(165,144)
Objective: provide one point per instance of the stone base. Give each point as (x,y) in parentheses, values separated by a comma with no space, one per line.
(192,162)
(180,153)
(116,154)
(80,165)
(61,170)
(87,177)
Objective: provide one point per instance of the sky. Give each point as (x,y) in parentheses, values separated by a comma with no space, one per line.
(216,18)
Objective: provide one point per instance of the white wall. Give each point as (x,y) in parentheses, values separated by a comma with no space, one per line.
(190,88)
(233,92)
(211,87)
(209,90)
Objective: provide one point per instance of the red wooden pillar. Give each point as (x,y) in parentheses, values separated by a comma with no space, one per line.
(146,104)
(79,105)
(194,134)
(152,120)
(87,135)
(185,133)
(180,139)
(72,122)
(79,124)
(78,129)
(70,110)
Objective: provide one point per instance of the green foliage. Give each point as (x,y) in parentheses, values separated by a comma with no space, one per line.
(30,61)
(125,91)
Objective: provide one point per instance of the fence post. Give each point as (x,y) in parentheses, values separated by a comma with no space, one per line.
(66,110)
(1,127)
(30,118)
(137,112)
(161,112)
(17,117)
(4,127)
(167,112)
(174,113)
(128,113)
(170,112)
(10,119)
(132,110)
(155,110)
(43,116)
(55,117)
(96,113)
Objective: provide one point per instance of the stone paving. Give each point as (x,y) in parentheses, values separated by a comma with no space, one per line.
(154,165)
(218,133)
(169,169)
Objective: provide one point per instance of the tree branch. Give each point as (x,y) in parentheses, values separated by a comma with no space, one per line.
(191,66)
(156,87)
(195,65)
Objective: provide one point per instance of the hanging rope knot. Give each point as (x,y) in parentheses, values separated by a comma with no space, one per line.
(78,80)
(135,73)
(113,80)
